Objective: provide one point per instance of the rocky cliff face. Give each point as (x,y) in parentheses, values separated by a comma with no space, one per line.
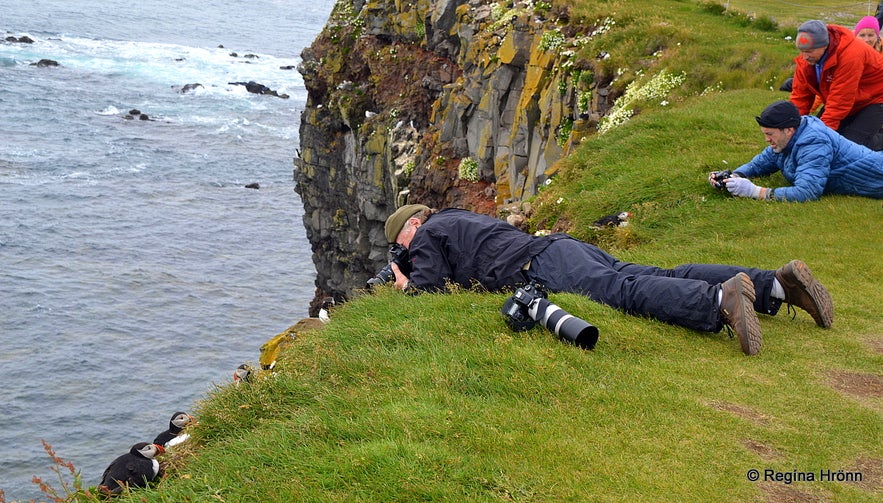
(447,103)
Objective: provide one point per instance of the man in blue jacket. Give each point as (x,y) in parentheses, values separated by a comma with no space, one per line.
(465,248)
(814,159)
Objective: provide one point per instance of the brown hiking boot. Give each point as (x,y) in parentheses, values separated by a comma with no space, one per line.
(737,308)
(804,291)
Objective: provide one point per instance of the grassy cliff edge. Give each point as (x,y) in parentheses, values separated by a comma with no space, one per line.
(431,397)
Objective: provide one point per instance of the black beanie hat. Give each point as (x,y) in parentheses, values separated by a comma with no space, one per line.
(779,115)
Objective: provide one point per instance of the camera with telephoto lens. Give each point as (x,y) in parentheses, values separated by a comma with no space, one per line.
(398,255)
(718,178)
(529,306)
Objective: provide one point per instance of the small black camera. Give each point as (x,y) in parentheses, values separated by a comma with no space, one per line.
(529,306)
(398,255)
(718,178)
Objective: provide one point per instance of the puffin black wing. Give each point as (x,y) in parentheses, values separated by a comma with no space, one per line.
(620,219)
(164,437)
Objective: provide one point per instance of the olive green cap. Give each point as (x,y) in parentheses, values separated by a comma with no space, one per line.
(396,222)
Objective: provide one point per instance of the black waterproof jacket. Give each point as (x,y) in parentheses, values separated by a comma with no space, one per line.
(469,249)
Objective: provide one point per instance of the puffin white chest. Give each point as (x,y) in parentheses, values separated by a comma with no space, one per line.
(177,440)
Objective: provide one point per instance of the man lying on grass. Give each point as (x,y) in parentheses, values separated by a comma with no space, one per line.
(468,249)
(814,159)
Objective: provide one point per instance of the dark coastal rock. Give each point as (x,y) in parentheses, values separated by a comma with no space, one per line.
(137,114)
(374,136)
(246,56)
(288,67)
(45,62)
(24,39)
(253,185)
(254,87)
(189,87)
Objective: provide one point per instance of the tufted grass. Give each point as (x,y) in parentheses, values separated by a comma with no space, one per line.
(432,398)
(726,44)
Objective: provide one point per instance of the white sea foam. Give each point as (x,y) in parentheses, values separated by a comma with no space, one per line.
(110,110)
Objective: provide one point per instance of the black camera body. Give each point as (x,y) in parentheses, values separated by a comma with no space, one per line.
(398,255)
(529,306)
(719,177)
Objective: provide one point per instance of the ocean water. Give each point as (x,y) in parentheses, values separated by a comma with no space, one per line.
(136,269)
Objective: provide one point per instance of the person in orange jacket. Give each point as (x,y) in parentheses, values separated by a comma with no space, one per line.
(847,75)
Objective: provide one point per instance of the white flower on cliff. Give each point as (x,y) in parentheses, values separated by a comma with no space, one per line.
(551,40)
(657,88)
(468,169)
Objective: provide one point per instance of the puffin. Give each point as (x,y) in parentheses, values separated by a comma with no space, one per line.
(620,219)
(324,311)
(242,374)
(136,468)
(173,435)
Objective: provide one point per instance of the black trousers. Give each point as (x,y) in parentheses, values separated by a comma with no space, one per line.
(686,295)
(864,127)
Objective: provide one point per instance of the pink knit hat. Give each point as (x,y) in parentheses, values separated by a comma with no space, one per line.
(868,22)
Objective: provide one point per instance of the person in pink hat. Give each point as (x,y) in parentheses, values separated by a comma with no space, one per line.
(868,30)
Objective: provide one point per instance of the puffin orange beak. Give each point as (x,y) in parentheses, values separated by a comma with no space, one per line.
(160,449)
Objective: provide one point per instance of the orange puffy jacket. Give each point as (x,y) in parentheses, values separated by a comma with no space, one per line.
(852,78)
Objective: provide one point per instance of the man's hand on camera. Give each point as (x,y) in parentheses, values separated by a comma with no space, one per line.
(401,280)
(742,187)
(716,178)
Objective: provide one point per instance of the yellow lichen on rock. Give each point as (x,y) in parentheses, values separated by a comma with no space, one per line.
(270,350)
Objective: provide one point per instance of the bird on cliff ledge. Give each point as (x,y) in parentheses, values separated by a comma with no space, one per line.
(620,219)
(136,468)
(325,310)
(242,374)
(173,436)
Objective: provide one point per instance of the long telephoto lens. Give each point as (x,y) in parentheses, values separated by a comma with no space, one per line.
(564,324)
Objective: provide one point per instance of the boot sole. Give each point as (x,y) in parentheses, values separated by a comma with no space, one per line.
(825,310)
(751,341)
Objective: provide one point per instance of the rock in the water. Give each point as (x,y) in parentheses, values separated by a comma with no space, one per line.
(45,62)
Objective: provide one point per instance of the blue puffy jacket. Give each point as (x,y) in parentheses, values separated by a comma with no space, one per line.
(819,161)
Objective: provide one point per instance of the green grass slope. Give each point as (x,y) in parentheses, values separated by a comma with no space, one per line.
(433,398)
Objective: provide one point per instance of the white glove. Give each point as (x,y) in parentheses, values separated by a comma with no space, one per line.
(743,187)
(716,176)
